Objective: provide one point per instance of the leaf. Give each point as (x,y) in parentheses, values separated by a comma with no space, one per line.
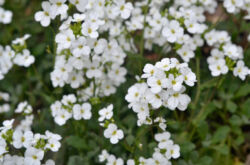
(202,129)
(243,91)
(245,108)
(235,120)
(231,106)
(130,139)
(187,147)
(205,160)
(76,160)
(221,134)
(76,142)
(224,150)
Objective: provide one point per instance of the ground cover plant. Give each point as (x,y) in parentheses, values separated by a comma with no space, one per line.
(115,82)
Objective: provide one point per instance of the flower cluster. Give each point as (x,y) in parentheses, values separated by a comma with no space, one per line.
(69,108)
(111,132)
(17,54)
(5,15)
(164,87)
(181,26)
(83,58)
(233,6)
(4,97)
(163,153)
(24,108)
(225,55)
(35,145)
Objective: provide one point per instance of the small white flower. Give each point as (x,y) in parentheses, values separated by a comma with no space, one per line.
(172,31)
(82,111)
(33,156)
(106,113)
(90,30)
(44,16)
(113,133)
(241,70)
(3,145)
(21,139)
(219,68)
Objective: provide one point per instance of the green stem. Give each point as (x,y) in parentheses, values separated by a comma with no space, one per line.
(198,81)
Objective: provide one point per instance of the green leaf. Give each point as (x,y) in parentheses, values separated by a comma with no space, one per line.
(243,91)
(245,108)
(231,106)
(76,160)
(224,150)
(76,142)
(187,147)
(130,139)
(202,129)
(221,134)
(235,120)
(205,160)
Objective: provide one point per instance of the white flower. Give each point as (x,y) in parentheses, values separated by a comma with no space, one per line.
(172,31)
(58,8)
(21,40)
(219,68)
(21,139)
(69,99)
(113,161)
(94,70)
(175,82)
(24,59)
(5,16)
(78,17)
(106,113)
(173,151)
(149,70)
(130,162)
(186,53)
(80,47)
(90,30)
(189,76)
(100,45)
(232,5)
(241,70)
(62,116)
(113,133)
(157,84)
(50,162)
(7,124)
(80,5)
(53,145)
(3,145)
(178,100)
(162,139)
(33,156)
(103,156)
(65,39)
(23,107)
(82,111)
(231,51)
(44,16)
(124,8)
(164,64)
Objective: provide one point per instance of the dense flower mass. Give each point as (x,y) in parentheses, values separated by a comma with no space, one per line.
(164,86)
(163,153)
(21,137)
(17,54)
(99,46)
